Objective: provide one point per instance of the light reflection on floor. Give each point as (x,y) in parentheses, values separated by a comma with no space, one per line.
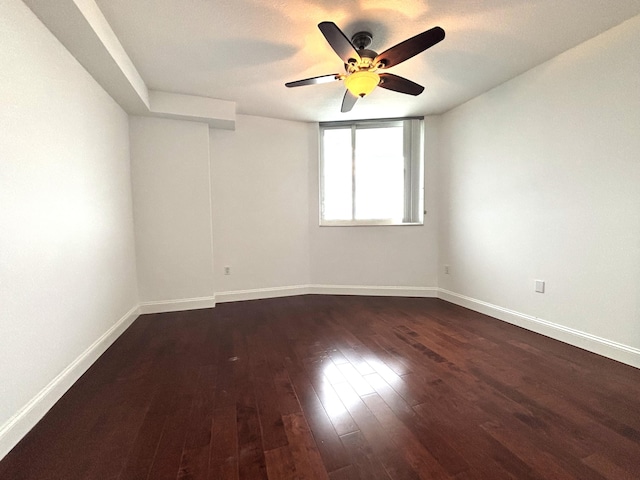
(343,384)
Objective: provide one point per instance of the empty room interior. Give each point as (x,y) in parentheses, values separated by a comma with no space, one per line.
(311,239)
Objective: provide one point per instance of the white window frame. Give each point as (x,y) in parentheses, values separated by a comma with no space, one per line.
(413,172)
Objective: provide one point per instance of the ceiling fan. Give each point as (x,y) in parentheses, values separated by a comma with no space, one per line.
(362,65)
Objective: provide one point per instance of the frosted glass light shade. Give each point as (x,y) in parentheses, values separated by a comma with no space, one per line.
(362,83)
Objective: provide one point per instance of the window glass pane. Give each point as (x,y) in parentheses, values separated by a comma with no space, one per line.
(337,181)
(380,173)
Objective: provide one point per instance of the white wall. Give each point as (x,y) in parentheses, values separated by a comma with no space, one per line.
(380,256)
(67,258)
(264,213)
(261,204)
(541,180)
(172,210)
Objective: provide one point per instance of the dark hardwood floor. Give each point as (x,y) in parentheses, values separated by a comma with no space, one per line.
(325,387)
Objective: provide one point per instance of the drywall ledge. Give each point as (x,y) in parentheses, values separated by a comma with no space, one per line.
(84,31)
(217,113)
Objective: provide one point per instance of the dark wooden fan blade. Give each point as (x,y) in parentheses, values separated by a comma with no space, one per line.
(411,47)
(399,84)
(348,101)
(314,80)
(338,41)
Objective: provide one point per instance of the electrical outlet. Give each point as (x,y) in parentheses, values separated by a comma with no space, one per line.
(227,270)
(446,269)
(540,286)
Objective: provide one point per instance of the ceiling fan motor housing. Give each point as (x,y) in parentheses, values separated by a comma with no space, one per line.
(366,61)
(361,40)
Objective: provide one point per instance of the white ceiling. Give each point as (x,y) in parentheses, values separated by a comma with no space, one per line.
(245,50)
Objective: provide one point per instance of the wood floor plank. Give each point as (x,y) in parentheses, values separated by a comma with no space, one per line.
(166,463)
(286,394)
(141,455)
(281,464)
(362,457)
(303,447)
(528,450)
(338,387)
(354,379)
(111,442)
(609,469)
(406,442)
(328,441)
(271,424)
(197,446)
(336,411)
(347,473)
(223,461)
(375,435)
(251,461)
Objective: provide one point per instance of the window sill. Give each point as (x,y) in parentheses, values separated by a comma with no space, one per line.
(348,223)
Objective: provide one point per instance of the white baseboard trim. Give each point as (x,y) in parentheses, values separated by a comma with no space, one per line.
(260,293)
(379,291)
(290,290)
(163,306)
(14,429)
(592,343)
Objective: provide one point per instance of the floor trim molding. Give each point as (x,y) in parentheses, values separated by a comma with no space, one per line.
(290,290)
(260,293)
(592,343)
(163,306)
(30,414)
(380,291)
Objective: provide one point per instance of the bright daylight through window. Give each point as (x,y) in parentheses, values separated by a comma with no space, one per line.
(371,172)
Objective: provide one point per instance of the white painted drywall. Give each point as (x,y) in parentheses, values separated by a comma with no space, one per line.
(171,202)
(395,256)
(67,257)
(260,203)
(541,180)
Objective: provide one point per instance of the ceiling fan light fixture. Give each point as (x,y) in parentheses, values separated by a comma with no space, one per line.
(362,83)
(361,64)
